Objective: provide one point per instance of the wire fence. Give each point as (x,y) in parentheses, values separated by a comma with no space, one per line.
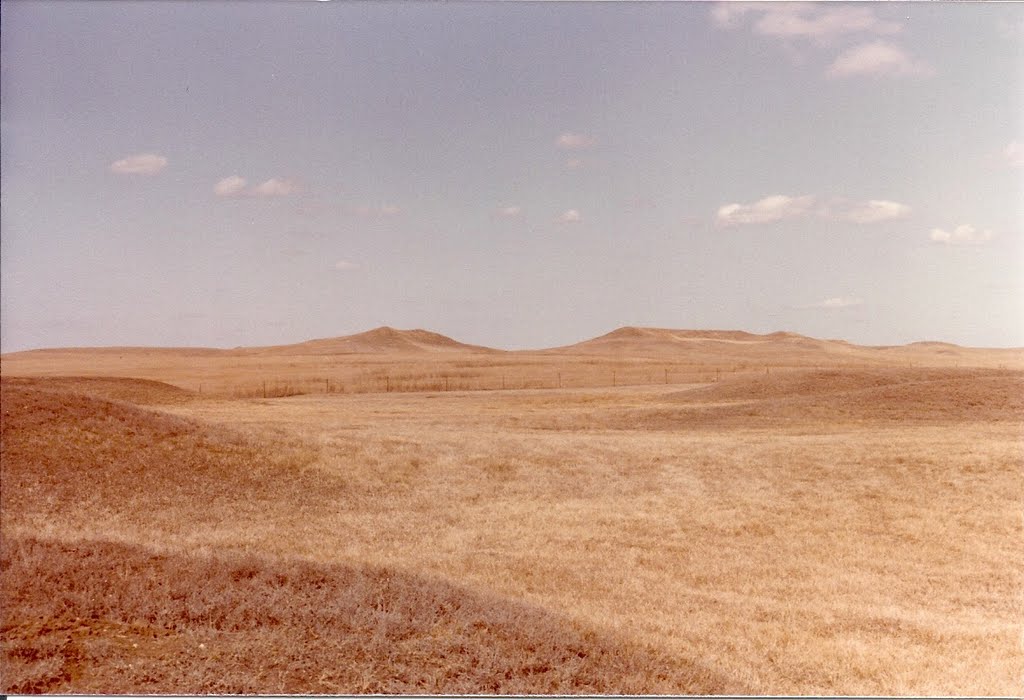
(380,382)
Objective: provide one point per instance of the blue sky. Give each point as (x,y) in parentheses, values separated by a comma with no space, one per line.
(511,174)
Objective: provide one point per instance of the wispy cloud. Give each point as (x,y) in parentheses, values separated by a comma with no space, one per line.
(275,187)
(877,58)
(825,25)
(569,216)
(570,141)
(345,265)
(781,207)
(777,207)
(1014,154)
(872,211)
(510,212)
(231,186)
(836,303)
(815,22)
(965,234)
(235,186)
(140,164)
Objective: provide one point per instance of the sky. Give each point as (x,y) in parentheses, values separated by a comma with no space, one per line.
(517,175)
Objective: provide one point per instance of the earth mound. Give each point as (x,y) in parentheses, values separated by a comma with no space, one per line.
(138,391)
(378,340)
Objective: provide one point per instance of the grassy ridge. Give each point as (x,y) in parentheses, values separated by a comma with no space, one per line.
(100,617)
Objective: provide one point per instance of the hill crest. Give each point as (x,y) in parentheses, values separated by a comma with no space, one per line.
(650,337)
(377,340)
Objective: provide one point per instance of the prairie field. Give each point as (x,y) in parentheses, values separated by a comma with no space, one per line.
(845,522)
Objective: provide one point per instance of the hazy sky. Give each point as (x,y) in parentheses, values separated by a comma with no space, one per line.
(510,174)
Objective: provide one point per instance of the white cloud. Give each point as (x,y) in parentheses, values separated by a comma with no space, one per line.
(815,22)
(965,234)
(780,207)
(275,187)
(234,186)
(569,216)
(837,303)
(1014,154)
(141,164)
(510,212)
(764,211)
(345,265)
(823,25)
(570,141)
(872,211)
(877,58)
(231,186)
(819,23)
(726,14)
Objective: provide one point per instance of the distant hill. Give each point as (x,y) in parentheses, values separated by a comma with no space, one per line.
(741,347)
(379,340)
(632,340)
(698,347)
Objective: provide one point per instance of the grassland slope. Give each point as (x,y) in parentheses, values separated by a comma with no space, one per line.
(827,396)
(71,457)
(822,400)
(101,617)
(379,340)
(132,390)
(103,594)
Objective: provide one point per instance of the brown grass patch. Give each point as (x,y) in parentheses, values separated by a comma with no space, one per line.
(139,391)
(89,462)
(826,396)
(99,617)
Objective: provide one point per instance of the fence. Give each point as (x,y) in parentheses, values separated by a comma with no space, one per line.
(398,382)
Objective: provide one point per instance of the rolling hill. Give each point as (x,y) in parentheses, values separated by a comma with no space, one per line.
(379,340)
(782,348)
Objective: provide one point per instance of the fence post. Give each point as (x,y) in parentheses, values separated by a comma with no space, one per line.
(614,383)
(559,380)
(264,388)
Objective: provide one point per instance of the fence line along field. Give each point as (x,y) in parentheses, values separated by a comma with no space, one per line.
(652,511)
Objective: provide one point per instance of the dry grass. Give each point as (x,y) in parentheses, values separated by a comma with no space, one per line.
(137,391)
(838,531)
(96,617)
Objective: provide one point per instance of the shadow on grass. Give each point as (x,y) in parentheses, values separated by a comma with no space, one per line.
(101,617)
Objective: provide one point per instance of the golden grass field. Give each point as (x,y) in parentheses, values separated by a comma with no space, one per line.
(688,513)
